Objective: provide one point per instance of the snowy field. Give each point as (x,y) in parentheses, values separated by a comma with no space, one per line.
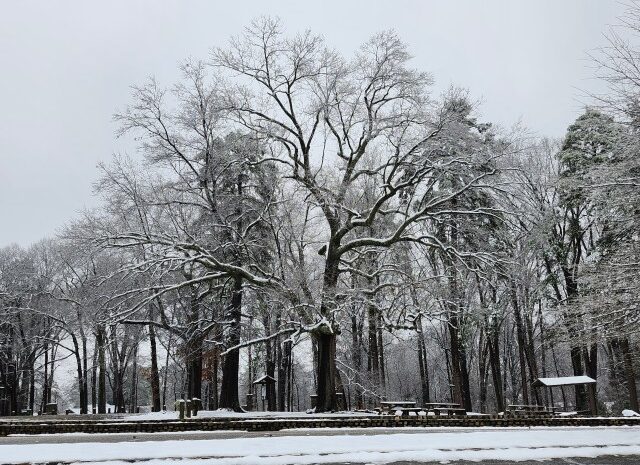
(443,446)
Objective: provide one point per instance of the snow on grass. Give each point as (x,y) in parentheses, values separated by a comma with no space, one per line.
(513,444)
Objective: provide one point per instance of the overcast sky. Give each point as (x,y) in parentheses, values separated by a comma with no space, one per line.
(66,67)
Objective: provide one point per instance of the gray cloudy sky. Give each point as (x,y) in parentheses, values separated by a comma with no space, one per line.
(66,67)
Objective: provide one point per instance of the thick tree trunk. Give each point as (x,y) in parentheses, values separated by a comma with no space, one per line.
(155,375)
(133,393)
(81,374)
(531,356)
(326,343)
(165,376)
(356,355)
(270,370)
(373,360)
(94,378)
(466,385)
(521,343)
(118,372)
(383,372)
(630,375)
(548,393)
(496,372)
(194,369)
(229,390)
(102,371)
(576,363)
(214,381)
(423,366)
(85,375)
(555,364)
(32,386)
(283,376)
(325,337)
(482,370)
(45,379)
(591,363)
(456,373)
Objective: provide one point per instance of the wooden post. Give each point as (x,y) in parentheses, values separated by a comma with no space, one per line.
(196,404)
(180,406)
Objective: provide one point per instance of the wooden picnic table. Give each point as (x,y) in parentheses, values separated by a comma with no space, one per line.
(445,408)
(516,409)
(405,406)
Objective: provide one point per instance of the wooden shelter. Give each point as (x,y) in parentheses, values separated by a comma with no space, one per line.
(267,391)
(561,381)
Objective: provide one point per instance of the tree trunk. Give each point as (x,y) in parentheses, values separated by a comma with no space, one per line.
(591,363)
(194,369)
(630,375)
(356,355)
(45,379)
(32,386)
(521,343)
(155,375)
(270,371)
(325,337)
(229,389)
(133,397)
(422,364)
(456,373)
(214,381)
(383,372)
(85,375)
(94,378)
(496,373)
(102,371)
(373,360)
(283,375)
(576,363)
(326,400)
(482,370)
(81,381)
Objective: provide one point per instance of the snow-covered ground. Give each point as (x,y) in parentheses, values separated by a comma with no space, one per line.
(464,444)
(170,415)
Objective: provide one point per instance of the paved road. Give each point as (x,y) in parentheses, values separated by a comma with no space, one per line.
(606,460)
(635,460)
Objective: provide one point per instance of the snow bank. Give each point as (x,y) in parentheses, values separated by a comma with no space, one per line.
(512,444)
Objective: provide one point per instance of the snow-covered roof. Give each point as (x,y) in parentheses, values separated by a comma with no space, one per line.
(265,379)
(564,381)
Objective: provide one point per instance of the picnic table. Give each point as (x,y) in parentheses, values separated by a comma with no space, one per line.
(405,406)
(536,410)
(445,408)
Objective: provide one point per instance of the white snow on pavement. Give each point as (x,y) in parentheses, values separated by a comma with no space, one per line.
(514,444)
